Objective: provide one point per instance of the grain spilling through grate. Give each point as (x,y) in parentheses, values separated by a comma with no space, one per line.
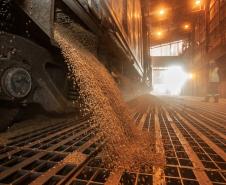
(126,147)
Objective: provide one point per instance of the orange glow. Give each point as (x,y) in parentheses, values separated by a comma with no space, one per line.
(159,33)
(187,26)
(198,5)
(162,12)
(198,2)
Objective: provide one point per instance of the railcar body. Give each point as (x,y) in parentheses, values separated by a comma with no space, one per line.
(32,70)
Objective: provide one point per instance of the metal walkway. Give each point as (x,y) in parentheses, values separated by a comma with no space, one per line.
(192,137)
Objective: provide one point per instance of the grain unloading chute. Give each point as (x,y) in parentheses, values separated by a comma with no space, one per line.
(34,60)
(41,12)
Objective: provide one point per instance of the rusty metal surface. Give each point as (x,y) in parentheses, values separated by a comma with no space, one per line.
(121,18)
(41,12)
(80,9)
(126,15)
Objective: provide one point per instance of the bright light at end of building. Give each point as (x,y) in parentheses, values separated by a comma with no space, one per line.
(176,78)
(191,76)
(173,81)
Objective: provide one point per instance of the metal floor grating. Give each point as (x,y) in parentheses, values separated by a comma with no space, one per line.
(192,139)
(179,167)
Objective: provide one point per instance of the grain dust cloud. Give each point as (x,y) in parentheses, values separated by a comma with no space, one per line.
(126,147)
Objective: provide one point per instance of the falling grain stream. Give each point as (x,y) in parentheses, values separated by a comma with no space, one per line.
(148,140)
(127,147)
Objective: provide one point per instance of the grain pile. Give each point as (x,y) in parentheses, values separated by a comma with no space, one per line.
(126,147)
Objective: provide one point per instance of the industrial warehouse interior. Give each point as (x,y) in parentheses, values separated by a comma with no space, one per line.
(112,92)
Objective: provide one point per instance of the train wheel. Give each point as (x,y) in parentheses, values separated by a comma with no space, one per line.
(7,118)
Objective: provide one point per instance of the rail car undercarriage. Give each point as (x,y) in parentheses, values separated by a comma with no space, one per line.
(30,75)
(32,69)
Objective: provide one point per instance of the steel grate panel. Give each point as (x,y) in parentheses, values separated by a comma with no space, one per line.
(207,156)
(30,156)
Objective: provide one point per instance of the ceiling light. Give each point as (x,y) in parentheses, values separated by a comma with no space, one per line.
(162,12)
(159,33)
(186,26)
(197,2)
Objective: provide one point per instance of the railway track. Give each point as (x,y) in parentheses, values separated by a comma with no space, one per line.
(191,138)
